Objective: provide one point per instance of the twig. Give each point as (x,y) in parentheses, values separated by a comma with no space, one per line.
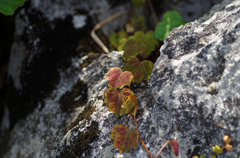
(134,118)
(161,149)
(99,25)
(152,11)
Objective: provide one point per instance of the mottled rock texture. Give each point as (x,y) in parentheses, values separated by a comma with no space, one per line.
(196,81)
(54,107)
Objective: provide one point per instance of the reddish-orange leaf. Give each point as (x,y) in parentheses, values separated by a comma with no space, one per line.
(175,147)
(124,138)
(130,106)
(138,68)
(116,99)
(118,79)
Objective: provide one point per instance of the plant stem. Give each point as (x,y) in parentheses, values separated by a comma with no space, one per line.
(162,148)
(134,118)
(99,25)
(152,11)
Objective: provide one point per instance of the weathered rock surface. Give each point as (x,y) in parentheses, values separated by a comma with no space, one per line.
(196,81)
(57,95)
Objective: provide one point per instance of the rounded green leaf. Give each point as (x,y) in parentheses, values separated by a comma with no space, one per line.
(7,7)
(217,149)
(202,156)
(171,19)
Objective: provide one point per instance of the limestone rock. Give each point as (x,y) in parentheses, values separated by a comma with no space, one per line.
(57,92)
(196,81)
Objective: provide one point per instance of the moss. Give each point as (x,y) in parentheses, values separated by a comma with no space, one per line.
(75,98)
(85,114)
(81,144)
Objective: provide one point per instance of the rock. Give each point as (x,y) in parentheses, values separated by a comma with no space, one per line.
(55,108)
(196,81)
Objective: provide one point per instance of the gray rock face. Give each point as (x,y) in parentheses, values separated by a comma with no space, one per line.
(196,80)
(192,95)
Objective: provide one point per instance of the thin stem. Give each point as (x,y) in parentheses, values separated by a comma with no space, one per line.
(152,11)
(134,118)
(161,148)
(99,25)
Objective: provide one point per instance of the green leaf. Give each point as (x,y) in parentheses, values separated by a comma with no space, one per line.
(113,39)
(132,48)
(217,149)
(202,156)
(118,79)
(213,156)
(174,146)
(139,69)
(195,156)
(138,24)
(171,19)
(7,7)
(130,106)
(151,42)
(116,99)
(124,138)
(139,43)
(137,3)
(119,39)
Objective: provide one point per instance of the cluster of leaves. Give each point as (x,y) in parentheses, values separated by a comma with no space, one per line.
(7,7)
(219,150)
(123,101)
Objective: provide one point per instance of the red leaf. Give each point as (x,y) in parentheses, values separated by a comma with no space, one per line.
(138,68)
(130,106)
(124,138)
(118,79)
(175,147)
(116,99)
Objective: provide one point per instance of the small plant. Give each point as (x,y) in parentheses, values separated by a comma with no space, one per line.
(122,101)
(7,7)
(219,150)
